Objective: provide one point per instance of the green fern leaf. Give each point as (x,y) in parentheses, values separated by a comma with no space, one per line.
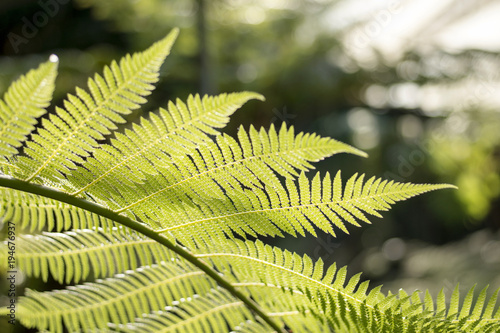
(214,312)
(35,212)
(275,209)
(115,300)
(261,270)
(155,142)
(24,102)
(224,164)
(71,135)
(72,256)
(266,272)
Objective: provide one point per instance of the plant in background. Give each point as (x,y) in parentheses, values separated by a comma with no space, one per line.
(158,218)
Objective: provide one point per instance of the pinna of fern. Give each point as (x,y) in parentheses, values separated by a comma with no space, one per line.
(152,228)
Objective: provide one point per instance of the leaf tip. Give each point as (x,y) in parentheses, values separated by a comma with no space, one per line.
(358,152)
(445,186)
(54,58)
(258,96)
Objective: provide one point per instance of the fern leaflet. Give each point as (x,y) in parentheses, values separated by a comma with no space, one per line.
(214,312)
(120,299)
(25,101)
(274,209)
(224,163)
(73,256)
(35,212)
(68,137)
(154,143)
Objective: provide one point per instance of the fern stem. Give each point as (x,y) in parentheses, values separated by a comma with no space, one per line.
(24,186)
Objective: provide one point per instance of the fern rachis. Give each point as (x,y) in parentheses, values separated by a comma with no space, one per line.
(153,217)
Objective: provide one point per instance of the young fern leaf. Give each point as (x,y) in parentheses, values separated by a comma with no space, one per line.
(49,192)
(72,133)
(276,209)
(175,131)
(24,102)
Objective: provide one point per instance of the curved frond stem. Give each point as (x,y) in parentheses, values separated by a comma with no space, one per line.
(48,192)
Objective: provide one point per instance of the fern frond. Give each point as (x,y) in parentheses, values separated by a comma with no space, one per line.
(466,318)
(141,228)
(345,305)
(24,102)
(176,131)
(73,133)
(6,167)
(180,198)
(225,164)
(274,209)
(289,306)
(261,270)
(430,316)
(73,256)
(215,312)
(40,213)
(117,300)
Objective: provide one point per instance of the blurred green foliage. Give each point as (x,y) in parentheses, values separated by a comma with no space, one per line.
(470,159)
